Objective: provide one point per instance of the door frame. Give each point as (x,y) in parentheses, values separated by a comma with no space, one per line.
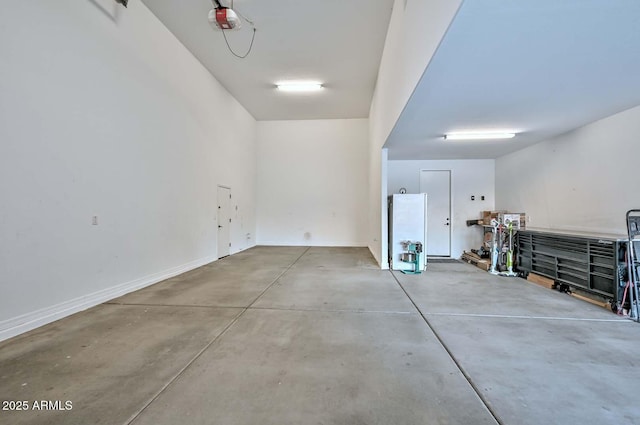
(450,207)
(218,187)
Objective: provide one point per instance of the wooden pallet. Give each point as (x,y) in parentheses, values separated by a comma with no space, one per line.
(541,280)
(549,284)
(603,304)
(471,258)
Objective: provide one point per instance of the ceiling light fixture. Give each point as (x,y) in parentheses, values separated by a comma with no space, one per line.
(479,136)
(300,86)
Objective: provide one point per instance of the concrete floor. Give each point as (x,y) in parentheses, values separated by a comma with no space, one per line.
(295,335)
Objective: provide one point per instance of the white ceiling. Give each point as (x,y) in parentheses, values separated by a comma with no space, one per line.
(336,42)
(540,67)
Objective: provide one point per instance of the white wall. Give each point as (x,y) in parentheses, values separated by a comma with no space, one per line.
(103,112)
(468,177)
(377,205)
(312,182)
(415,30)
(584,180)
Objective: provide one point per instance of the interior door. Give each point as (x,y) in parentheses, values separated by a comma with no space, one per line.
(437,185)
(224,221)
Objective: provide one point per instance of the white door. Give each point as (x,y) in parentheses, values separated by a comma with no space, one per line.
(224,221)
(437,186)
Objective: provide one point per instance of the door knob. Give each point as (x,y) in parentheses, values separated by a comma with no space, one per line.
(219,227)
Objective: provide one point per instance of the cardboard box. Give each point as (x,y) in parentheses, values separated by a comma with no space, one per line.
(491,214)
(487,216)
(511,218)
(518,219)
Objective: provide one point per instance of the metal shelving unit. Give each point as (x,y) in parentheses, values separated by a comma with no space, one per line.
(589,262)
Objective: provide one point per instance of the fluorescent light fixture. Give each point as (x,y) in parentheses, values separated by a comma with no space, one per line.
(299,86)
(479,135)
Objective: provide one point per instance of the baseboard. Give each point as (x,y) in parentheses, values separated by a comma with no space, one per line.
(314,244)
(26,322)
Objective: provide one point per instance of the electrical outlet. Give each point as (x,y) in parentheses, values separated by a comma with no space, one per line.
(94,220)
